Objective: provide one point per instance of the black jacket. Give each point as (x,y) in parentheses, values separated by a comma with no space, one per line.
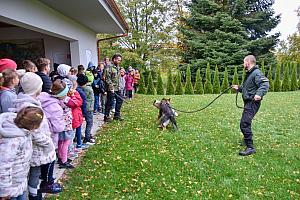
(255,84)
(47,83)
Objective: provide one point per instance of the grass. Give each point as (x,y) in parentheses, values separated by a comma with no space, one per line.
(135,160)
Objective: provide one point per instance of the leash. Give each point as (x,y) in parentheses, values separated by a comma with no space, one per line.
(121,98)
(198,110)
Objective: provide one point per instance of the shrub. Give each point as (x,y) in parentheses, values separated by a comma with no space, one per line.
(160,87)
(270,77)
(286,83)
(150,85)
(188,85)
(294,83)
(207,85)
(277,81)
(170,85)
(225,82)
(179,89)
(142,89)
(198,84)
(235,80)
(216,87)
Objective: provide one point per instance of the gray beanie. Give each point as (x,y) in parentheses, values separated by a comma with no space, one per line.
(31,83)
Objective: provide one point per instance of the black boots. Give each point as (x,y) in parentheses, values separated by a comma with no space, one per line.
(107,119)
(248,151)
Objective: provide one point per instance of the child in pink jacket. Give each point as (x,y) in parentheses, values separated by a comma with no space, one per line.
(129,84)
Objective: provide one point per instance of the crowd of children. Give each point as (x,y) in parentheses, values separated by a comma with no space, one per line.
(42,113)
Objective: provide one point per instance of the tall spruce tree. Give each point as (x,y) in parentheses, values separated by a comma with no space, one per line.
(262,68)
(216,87)
(199,84)
(286,83)
(243,75)
(188,85)
(223,32)
(150,85)
(225,82)
(277,81)
(179,88)
(294,82)
(235,80)
(270,77)
(207,85)
(160,85)
(142,89)
(170,85)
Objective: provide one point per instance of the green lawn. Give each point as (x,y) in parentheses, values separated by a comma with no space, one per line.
(135,160)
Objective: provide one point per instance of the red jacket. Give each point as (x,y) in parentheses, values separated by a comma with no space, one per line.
(74,103)
(129,82)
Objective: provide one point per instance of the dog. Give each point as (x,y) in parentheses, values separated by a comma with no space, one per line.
(166,113)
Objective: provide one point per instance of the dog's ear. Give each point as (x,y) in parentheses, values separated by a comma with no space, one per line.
(168,100)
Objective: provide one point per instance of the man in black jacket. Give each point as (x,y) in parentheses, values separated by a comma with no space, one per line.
(255,86)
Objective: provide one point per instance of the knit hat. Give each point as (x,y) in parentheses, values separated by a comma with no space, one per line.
(63,70)
(31,83)
(82,79)
(6,63)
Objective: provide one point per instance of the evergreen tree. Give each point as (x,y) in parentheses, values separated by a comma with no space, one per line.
(142,89)
(160,87)
(179,89)
(216,89)
(198,84)
(286,83)
(188,85)
(150,85)
(223,32)
(207,85)
(262,68)
(244,75)
(170,85)
(225,82)
(270,77)
(277,81)
(235,80)
(294,83)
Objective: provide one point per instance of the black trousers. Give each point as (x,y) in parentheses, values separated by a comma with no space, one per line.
(250,109)
(109,102)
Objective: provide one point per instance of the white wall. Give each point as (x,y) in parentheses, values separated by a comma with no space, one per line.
(36,16)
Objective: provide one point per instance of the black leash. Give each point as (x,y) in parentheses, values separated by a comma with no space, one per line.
(198,110)
(121,97)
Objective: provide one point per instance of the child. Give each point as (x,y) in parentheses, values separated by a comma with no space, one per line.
(98,89)
(16,150)
(87,95)
(129,84)
(29,66)
(137,78)
(7,90)
(43,157)
(122,82)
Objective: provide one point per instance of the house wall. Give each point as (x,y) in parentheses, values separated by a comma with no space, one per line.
(36,16)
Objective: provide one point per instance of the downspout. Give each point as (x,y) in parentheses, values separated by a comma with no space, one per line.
(109,38)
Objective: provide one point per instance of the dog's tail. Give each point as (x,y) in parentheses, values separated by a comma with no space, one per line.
(173,120)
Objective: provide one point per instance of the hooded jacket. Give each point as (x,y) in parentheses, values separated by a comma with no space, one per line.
(43,147)
(75,103)
(16,151)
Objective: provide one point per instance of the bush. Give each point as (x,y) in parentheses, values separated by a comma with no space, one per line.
(170,85)
(286,83)
(225,82)
(294,83)
(235,80)
(243,75)
(262,69)
(142,89)
(179,89)
(150,85)
(270,77)
(160,87)
(277,81)
(216,88)
(188,85)
(198,84)
(207,85)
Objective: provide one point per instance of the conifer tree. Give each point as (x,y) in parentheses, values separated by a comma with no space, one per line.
(179,89)
(243,76)
(150,85)
(225,82)
(286,83)
(207,85)
(188,85)
(235,80)
(142,89)
(160,87)
(170,85)
(270,77)
(262,68)
(294,83)
(216,89)
(277,81)
(198,84)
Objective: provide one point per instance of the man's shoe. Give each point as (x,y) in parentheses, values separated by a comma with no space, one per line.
(248,151)
(107,119)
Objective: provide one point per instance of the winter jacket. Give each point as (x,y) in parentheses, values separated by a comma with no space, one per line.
(43,147)
(255,84)
(83,97)
(98,86)
(16,151)
(129,82)
(47,83)
(137,77)
(7,96)
(89,98)
(75,103)
(111,76)
(53,112)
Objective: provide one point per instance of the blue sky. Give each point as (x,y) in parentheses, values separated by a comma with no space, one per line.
(289,18)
